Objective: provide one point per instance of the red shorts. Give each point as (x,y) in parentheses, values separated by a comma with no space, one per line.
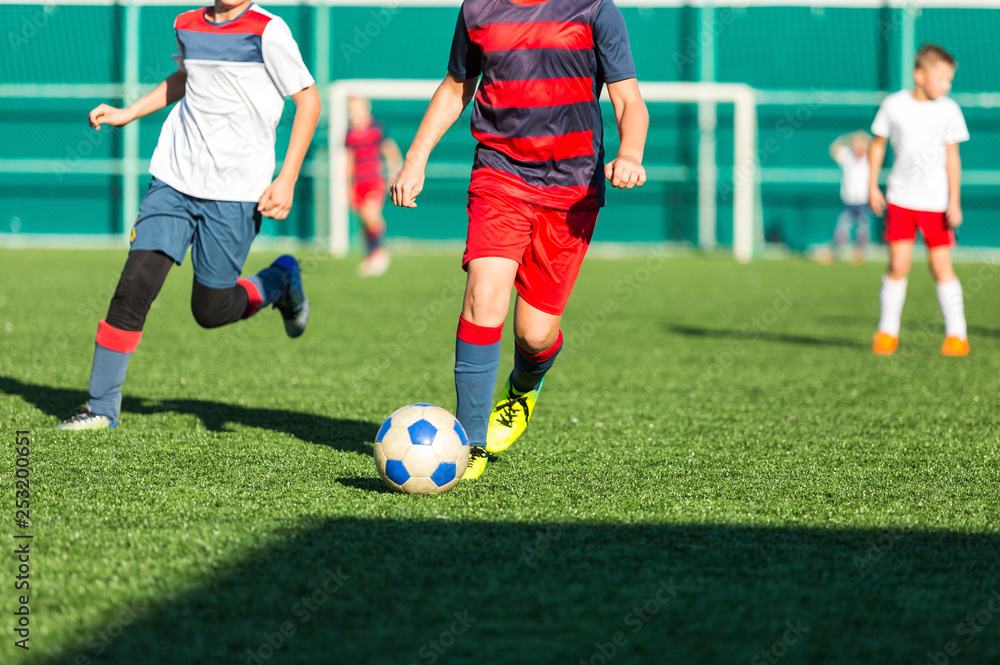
(367,191)
(548,244)
(902,224)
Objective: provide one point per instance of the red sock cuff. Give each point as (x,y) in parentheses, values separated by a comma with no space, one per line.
(122,341)
(256,300)
(479,335)
(547,354)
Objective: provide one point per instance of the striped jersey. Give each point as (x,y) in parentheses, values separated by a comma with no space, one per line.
(218,141)
(536,113)
(366,143)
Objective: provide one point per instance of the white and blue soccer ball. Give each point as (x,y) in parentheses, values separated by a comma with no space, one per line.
(421,449)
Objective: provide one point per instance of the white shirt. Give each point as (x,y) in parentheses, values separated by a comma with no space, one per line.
(854,177)
(919,133)
(218,141)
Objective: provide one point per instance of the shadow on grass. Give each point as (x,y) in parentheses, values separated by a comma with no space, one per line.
(693,331)
(352,590)
(348,435)
(366,484)
(936,326)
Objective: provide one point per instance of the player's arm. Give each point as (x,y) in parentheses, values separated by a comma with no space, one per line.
(876,157)
(447,104)
(170,90)
(838,143)
(626,170)
(276,200)
(953,165)
(393,156)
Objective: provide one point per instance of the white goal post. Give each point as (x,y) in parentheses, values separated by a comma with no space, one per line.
(745,191)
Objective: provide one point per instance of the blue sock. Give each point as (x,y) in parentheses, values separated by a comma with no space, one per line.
(112,352)
(477,357)
(271,283)
(530,369)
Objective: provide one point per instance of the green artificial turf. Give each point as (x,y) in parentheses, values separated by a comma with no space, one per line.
(719,471)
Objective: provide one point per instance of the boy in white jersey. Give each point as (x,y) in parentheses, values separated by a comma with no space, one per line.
(850,151)
(925,127)
(212,171)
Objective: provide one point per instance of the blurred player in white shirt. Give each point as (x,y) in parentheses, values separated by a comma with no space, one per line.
(925,127)
(850,151)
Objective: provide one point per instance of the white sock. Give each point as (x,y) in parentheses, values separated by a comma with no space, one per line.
(950,296)
(892,297)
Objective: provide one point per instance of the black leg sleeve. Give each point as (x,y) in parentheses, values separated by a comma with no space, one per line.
(140,282)
(217,307)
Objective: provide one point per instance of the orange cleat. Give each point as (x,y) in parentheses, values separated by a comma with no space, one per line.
(884,344)
(955,346)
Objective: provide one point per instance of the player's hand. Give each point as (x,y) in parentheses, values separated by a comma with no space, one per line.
(406,185)
(105,114)
(876,201)
(625,173)
(954,215)
(276,200)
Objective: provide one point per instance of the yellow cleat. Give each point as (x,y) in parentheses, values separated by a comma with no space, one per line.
(477,463)
(955,346)
(510,417)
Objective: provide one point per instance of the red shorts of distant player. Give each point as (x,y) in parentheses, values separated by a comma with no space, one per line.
(548,244)
(367,192)
(902,224)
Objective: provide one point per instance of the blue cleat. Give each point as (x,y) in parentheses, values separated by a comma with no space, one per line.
(293,304)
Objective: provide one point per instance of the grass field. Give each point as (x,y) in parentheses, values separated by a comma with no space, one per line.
(719,472)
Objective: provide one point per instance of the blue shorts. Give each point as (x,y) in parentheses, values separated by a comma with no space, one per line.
(218,232)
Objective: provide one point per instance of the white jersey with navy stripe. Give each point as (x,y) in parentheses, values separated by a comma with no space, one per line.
(218,141)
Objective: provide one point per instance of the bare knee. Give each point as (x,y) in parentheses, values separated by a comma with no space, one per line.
(898,269)
(371,217)
(942,269)
(942,276)
(486,304)
(536,339)
(900,258)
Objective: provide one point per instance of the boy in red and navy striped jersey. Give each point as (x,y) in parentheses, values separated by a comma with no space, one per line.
(537,184)
(369,153)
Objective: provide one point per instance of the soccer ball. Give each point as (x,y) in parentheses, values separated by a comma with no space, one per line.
(421,449)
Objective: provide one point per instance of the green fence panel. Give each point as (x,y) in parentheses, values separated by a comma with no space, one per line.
(821,50)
